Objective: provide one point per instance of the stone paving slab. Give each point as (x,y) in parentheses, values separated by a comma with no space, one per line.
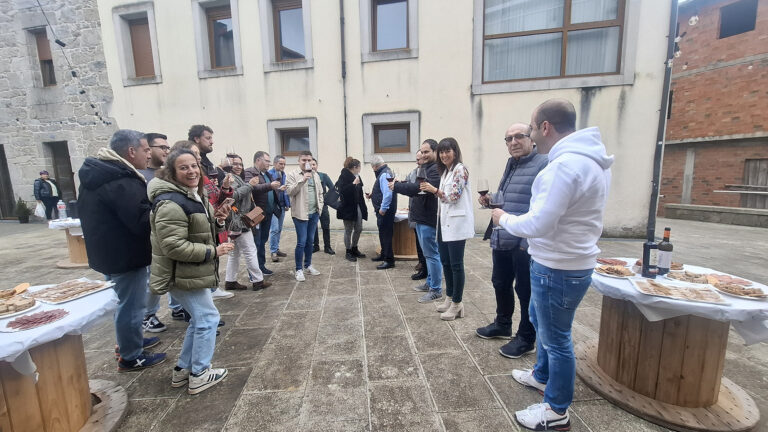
(352,350)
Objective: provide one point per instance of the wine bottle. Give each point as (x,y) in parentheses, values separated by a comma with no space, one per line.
(650,260)
(665,253)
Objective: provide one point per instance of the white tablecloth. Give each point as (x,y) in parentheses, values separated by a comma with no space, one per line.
(83,312)
(62,224)
(748,317)
(401,215)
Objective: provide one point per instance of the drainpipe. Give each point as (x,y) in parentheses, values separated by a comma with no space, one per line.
(658,155)
(343,75)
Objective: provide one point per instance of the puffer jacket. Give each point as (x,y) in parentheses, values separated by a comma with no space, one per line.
(241,193)
(183,245)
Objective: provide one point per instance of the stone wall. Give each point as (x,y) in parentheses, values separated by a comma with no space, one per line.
(31,114)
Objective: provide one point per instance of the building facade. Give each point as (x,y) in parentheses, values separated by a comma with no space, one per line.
(716,151)
(365,77)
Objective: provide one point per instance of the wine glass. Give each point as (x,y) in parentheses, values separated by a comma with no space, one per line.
(482,189)
(496,201)
(421,177)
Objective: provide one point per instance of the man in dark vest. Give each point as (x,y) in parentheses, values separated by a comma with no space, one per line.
(264,196)
(385,204)
(510,254)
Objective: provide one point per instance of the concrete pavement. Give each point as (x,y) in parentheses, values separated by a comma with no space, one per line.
(351,349)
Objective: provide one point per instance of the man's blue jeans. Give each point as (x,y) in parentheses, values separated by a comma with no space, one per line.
(200,339)
(275,230)
(427,236)
(305,235)
(131,289)
(555,295)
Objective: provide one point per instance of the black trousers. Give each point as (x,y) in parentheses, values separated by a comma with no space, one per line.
(325,224)
(260,237)
(422,260)
(50,206)
(511,268)
(386,225)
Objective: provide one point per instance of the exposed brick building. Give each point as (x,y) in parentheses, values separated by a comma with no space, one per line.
(717,133)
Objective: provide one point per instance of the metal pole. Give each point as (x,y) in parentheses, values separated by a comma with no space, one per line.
(344,76)
(659,152)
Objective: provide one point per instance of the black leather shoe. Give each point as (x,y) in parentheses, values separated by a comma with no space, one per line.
(329,250)
(385,265)
(494,331)
(421,274)
(350,257)
(316,248)
(356,252)
(377,258)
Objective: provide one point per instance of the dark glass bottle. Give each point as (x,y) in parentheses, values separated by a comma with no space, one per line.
(665,253)
(650,260)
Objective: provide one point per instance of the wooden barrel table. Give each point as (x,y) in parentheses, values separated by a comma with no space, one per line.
(404,242)
(668,372)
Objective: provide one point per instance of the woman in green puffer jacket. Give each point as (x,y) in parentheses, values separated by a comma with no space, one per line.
(185,262)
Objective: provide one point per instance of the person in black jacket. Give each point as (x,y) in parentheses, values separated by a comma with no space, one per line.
(47,193)
(264,196)
(325,218)
(423,212)
(352,209)
(114,214)
(385,206)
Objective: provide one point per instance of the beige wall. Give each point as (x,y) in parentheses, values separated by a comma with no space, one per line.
(437,84)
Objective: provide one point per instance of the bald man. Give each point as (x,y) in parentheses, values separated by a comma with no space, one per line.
(562,226)
(511,261)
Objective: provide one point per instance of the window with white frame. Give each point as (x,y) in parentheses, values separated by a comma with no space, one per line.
(137,43)
(394,136)
(286,34)
(389,29)
(521,41)
(288,137)
(217,30)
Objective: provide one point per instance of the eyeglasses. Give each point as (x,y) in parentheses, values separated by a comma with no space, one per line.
(237,164)
(164,148)
(518,137)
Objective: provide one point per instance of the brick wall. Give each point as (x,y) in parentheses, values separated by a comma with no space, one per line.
(716,164)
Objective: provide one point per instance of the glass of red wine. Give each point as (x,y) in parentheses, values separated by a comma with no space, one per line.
(496,201)
(232,235)
(421,177)
(482,189)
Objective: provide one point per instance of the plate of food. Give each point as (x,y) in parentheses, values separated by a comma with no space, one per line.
(35,320)
(688,276)
(674,266)
(12,303)
(614,271)
(714,278)
(612,262)
(703,294)
(741,291)
(67,291)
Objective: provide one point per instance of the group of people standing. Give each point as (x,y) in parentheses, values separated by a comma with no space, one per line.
(153,215)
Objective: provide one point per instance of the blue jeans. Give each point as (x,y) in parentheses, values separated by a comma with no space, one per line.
(131,289)
(305,235)
(275,229)
(427,236)
(200,339)
(173,304)
(555,295)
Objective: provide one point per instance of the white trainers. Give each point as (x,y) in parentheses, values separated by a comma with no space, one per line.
(207,379)
(180,378)
(300,276)
(313,271)
(540,417)
(221,294)
(525,377)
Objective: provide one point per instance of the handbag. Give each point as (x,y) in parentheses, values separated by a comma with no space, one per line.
(253,217)
(332,198)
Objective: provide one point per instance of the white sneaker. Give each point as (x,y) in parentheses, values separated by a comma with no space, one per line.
(221,294)
(180,378)
(525,377)
(540,417)
(313,271)
(207,379)
(300,276)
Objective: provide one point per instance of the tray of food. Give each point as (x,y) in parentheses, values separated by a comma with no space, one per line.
(737,290)
(612,261)
(688,276)
(614,271)
(13,303)
(703,294)
(35,320)
(714,278)
(67,291)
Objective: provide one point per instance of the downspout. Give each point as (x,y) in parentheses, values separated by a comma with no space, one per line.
(659,152)
(344,75)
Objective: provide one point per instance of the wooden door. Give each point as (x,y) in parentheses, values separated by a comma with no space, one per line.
(62,170)
(7,200)
(755,174)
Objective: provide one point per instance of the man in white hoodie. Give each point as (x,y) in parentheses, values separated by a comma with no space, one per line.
(563,226)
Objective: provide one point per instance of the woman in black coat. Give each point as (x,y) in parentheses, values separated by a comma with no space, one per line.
(353,209)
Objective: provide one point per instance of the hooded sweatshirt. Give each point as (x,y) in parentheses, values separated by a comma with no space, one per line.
(565,219)
(114,214)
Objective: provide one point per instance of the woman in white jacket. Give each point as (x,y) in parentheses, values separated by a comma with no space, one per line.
(457,223)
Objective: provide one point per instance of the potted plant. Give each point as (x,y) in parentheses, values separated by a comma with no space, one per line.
(22,211)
